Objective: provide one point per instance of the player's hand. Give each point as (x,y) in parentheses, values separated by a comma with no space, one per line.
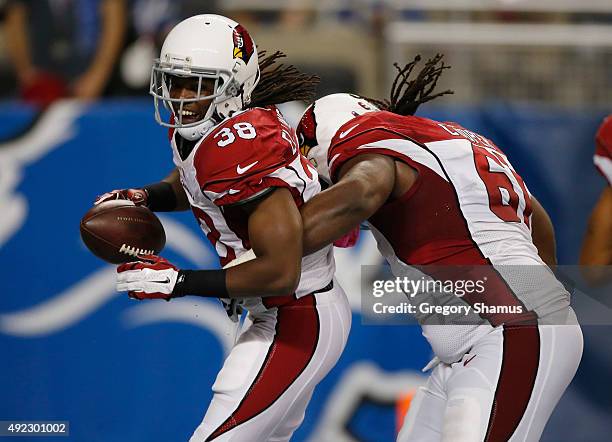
(138,196)
(152,277)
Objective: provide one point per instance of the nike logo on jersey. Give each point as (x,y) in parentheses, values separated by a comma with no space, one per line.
(346,132)
(467,361)
(242,170)
(233,192)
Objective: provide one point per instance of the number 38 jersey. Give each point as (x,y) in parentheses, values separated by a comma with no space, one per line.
(238,161)
(467,207)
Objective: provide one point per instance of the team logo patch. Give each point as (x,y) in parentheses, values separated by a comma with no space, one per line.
(305,149)
(243,44)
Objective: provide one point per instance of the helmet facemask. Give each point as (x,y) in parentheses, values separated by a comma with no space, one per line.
(162,75)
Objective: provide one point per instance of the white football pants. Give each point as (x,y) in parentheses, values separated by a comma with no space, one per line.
(268,378)
(504,389)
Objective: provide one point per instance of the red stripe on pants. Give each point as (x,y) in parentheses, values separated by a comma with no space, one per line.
(516,380)
(297,335)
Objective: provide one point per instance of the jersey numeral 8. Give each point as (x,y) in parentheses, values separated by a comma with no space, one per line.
(244,130)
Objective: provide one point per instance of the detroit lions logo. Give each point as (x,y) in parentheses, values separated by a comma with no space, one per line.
(88,289)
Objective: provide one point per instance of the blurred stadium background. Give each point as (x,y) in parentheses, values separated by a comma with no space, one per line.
(536,77)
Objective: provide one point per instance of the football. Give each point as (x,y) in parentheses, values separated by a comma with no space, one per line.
(118,230)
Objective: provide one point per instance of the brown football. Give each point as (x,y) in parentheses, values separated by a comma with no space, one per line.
(117,231)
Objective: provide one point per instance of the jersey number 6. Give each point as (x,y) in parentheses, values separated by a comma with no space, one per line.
(497,175)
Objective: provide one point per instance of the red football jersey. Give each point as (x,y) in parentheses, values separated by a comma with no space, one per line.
(238,161)
(248,154)
(466,218)
(469,184)
(468,205)
(603,149)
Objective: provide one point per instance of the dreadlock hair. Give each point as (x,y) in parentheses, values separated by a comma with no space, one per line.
(280,83)
(407,95)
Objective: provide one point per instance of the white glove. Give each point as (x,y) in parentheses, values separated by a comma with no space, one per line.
(151,278)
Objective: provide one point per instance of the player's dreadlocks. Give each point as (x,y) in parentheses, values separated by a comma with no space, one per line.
(407,95)
(280,83)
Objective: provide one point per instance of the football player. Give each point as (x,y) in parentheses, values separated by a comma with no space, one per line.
(435,193)
(597,245)
(239,169)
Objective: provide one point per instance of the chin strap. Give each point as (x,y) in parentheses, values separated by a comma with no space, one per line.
(196,132)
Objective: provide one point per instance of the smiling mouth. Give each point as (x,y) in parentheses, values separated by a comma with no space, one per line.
(188,116)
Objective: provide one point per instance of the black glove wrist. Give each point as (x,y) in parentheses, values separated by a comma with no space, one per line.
(179,287)
(205,283)
(160,197)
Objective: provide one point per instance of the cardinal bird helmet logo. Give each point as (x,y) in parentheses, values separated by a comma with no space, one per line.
(243,44)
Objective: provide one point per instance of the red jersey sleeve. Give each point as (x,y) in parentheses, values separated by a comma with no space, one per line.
(247,155)
(364,134)
(603,149)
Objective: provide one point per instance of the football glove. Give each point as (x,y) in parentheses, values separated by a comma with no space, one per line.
(152,277)
(138,196)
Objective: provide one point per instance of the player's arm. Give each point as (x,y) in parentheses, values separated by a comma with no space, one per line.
(18,46)
(91,83)
(365,183)
(167,195)
(275,232)
(543,234)
(597,244)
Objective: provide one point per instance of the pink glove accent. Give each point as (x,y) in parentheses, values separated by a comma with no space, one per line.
(348,240)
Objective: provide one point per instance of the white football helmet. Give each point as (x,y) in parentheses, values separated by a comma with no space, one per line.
(205,46)
(320,122)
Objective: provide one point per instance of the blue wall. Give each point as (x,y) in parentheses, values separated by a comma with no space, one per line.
(74,350)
